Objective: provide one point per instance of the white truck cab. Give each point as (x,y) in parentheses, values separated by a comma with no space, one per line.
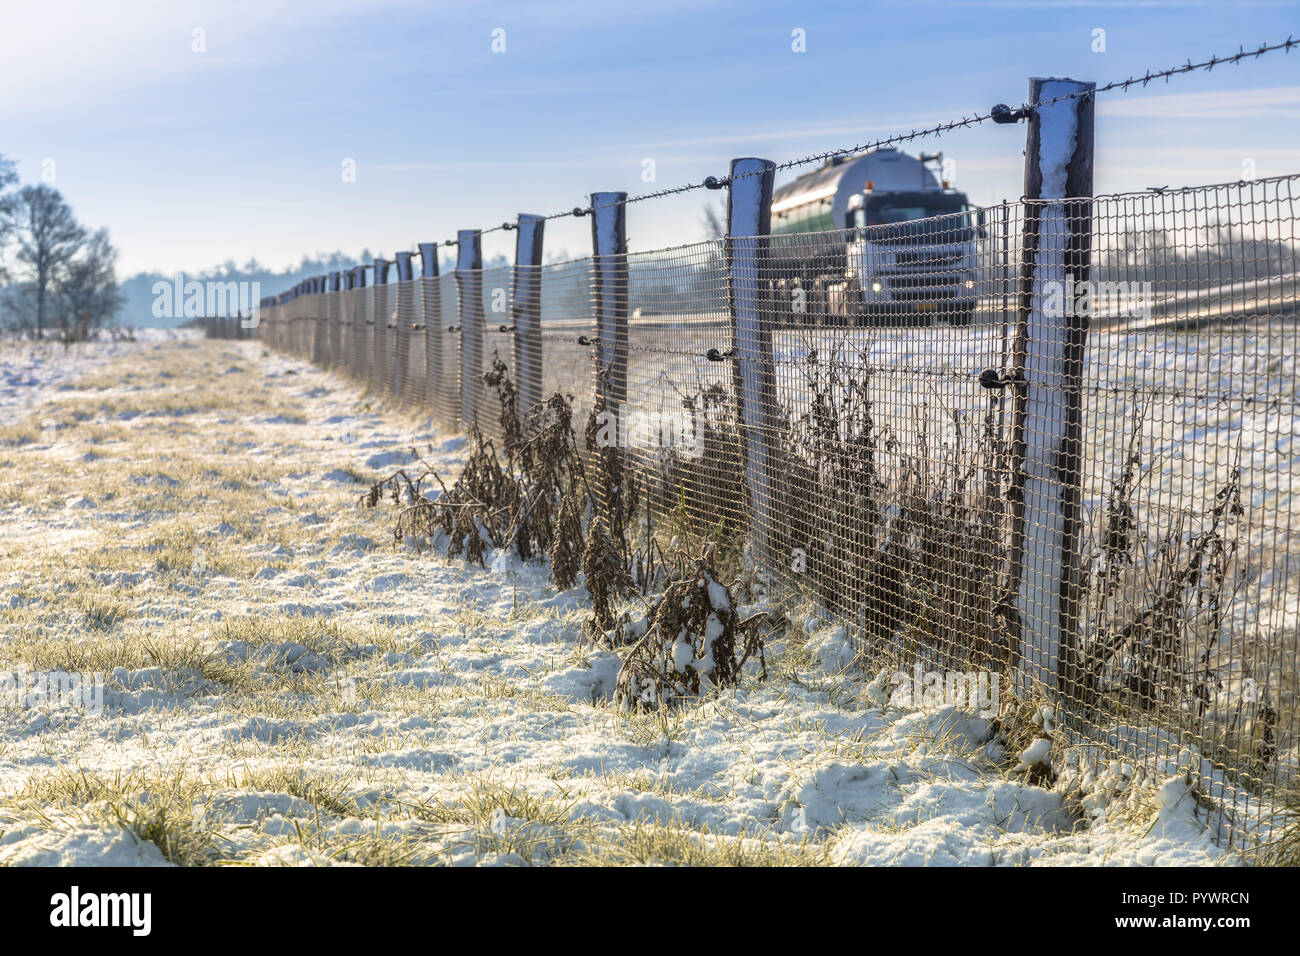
(882,236)
(914,251)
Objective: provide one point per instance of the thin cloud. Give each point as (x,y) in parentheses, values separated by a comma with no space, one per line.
(1274,102)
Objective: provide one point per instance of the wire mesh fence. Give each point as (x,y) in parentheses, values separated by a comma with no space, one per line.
(903,385)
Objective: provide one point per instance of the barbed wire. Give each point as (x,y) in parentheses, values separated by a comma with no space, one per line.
(1025,108)
(998,113)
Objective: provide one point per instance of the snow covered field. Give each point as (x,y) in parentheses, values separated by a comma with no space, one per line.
(283,686)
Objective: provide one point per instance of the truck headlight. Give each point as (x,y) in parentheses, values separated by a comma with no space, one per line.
(970,283)
(877,287)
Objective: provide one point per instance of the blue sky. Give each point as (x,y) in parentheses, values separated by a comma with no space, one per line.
(192,158)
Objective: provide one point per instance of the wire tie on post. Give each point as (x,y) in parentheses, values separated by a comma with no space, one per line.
(992,378)
(1001,113)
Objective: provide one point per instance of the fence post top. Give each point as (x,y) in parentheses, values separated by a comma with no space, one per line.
(403,266)
(749,197)
(1081,84)
(469,249)
(428,258)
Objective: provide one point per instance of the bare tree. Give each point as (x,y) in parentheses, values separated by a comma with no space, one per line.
(48,238)
(713,220)
(8,176)
(86,292)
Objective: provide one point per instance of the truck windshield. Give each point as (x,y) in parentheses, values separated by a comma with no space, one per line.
(887,215)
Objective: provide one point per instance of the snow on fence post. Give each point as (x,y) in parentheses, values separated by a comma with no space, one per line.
(305,315)
(295,313)
(320,343)
(307,335)
(361,341)
(382,349)
(469,289)
(749,221)
(347,321)
(293,329)
(526,304)
(402,340)
(610,296)
(335,317)
(319,324)
(1047,365)
(431,317)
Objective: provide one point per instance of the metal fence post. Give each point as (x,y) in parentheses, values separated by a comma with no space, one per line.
(347,316)
(1046,444)
(469,288)
(335,317)
(307,342)
(431,306)
(401,344)
(307,334)
(295,311)
(301,306)
(320,324)
(382,366)
(749,220)
(526,303)
(610,288)
(361,321)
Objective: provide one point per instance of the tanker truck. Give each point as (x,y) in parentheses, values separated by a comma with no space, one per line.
(874,238)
